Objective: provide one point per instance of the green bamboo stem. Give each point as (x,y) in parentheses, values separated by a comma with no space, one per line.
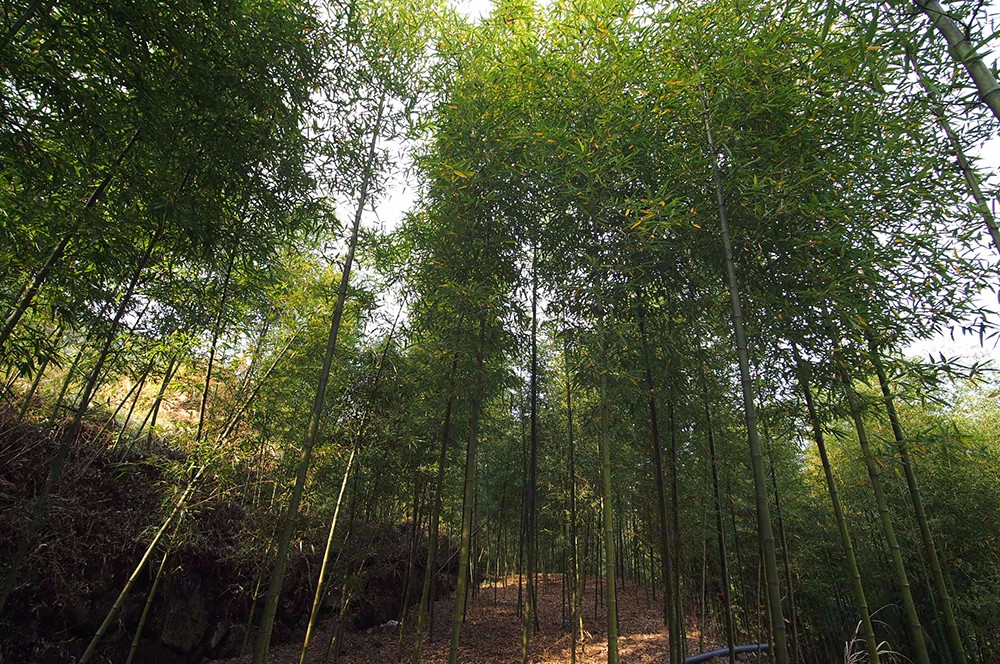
(262,644)
(889,532)
(764,529)
(964,53)
(860,601)
(926,536)
(469,496)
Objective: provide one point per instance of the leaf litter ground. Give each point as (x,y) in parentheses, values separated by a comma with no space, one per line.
(492,632)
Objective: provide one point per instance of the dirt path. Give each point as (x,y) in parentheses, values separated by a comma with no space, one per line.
(492,633)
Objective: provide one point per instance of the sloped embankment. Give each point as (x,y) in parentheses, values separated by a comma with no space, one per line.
(99,521)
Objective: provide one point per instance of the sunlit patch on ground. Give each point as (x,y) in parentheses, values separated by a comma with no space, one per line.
(492,633)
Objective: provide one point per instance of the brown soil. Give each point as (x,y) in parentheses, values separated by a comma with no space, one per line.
(492,632)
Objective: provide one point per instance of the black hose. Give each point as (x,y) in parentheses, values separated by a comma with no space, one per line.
(722,652)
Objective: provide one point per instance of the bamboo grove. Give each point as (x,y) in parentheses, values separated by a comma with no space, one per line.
(644,326)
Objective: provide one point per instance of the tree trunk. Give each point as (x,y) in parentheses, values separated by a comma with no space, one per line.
(661,504)
(720,528)
(795,653)
(137,637)
(964,53)
(604,445)
(54,413)
(38,377)
(916,631)
(27,295)
(860,602)
(576,598)
(123,595)
(971,177)
(324,566)
(531,518)
(25,16)
(430,568)
(675,512)
(764,529)
(216,328)
(134,394)
(469,495)
(411,563)
(154,410)
(910,473)
(263,643)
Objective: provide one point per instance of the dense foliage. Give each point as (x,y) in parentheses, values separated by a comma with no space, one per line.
(646,320)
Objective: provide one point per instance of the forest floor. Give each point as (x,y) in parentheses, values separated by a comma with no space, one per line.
(492,632)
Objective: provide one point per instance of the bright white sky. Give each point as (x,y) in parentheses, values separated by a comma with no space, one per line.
(401,197)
